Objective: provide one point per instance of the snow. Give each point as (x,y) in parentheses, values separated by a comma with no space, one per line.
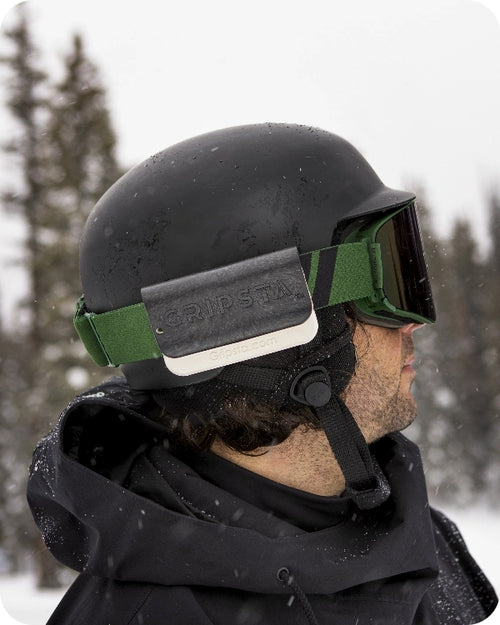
(20,599)
(479,528)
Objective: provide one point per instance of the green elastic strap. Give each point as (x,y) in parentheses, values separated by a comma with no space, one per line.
(118,336)
(334,275)
(343,273)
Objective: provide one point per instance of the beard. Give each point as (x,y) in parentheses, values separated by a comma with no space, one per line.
(381,400)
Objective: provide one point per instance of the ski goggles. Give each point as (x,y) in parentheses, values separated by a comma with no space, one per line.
(267,303)
(402,291)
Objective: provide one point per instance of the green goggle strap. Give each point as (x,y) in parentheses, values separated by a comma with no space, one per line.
(125,335)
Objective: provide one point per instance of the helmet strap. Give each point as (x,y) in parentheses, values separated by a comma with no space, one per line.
(365,482)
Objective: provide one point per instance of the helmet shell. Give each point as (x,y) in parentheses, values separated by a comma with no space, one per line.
(219,198)
(223,197)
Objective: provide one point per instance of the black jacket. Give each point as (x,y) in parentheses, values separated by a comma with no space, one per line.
(159,543)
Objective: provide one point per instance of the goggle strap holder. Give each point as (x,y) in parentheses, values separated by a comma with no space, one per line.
(334,275)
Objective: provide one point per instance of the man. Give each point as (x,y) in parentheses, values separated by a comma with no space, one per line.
(259,287)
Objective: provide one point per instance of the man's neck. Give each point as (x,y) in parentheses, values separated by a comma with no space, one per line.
(303,461)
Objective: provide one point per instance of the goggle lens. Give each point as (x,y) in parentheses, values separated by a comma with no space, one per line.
(406,282)
(403,294)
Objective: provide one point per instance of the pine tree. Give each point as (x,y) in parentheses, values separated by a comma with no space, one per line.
(65,154)
(469,376)
(13,521)
(82,165)
(494,229)
(431,429)
(27,104)
(492,355)
(457,426)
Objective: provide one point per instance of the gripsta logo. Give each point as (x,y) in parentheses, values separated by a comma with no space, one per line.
(210,307)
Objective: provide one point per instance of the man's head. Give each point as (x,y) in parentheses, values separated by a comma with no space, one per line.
(222,267)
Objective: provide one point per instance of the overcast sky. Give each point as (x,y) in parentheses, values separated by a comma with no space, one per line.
(414,85)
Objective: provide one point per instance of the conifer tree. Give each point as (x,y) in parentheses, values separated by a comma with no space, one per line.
(465,351)
(27,104)
(431,428)
(492,355)
(64,151)
(455,396)
(13,521)
(81,166)
(494,256)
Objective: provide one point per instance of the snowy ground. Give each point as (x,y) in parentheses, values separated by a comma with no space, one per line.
(22,601)
(480,529)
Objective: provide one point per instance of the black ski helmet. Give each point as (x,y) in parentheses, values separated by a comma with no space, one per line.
(216,199)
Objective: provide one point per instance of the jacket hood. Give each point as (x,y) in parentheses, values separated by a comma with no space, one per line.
(84,492)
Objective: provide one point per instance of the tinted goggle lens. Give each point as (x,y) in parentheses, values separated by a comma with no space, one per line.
(406,282)
(403,294)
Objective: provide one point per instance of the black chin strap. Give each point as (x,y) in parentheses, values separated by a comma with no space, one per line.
(354,458)
(365,483)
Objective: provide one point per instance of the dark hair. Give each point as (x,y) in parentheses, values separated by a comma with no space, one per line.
(241,422)
(198,415)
